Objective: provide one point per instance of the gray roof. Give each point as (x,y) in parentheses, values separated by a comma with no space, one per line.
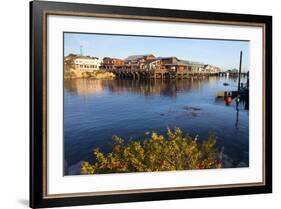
(187,62)
(80,56)
(137,57)
(112,58)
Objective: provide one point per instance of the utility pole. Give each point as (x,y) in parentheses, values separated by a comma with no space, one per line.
(239,74)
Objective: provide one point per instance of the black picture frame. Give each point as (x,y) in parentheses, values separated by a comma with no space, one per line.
(38,12)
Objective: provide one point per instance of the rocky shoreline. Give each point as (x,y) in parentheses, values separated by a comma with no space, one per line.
(98,74)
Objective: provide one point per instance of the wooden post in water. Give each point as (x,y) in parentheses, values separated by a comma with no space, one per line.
(239,74)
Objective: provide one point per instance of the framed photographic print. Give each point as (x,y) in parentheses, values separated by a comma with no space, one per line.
(139,104)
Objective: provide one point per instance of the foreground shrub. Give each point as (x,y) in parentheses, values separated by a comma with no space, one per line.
(156,153)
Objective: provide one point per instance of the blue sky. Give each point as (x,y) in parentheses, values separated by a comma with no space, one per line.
(222,53)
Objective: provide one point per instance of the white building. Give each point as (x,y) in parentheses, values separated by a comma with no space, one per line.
(211,69)
(85,63)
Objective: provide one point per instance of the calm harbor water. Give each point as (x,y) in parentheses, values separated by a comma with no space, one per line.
(94,110)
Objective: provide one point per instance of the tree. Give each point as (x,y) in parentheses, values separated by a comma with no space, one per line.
(156,153)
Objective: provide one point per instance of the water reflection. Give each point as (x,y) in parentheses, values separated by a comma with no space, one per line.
(147,87)
(83,86)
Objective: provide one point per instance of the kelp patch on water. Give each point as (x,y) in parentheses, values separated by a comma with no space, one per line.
(183,111)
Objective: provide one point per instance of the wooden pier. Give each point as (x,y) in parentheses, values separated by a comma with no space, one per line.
(158,74)
(225,74)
